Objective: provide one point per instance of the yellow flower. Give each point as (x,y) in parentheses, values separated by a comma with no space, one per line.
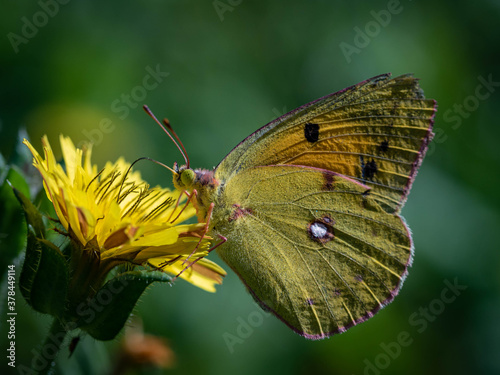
(114,217)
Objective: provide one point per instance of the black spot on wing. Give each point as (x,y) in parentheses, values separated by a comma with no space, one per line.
(311,132)
(369,169)
(383,146)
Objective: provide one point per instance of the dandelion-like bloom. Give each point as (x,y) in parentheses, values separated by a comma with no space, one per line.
(113,217)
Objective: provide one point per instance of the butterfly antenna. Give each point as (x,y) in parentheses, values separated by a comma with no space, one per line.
(130,168)
(182,150)
(169,127)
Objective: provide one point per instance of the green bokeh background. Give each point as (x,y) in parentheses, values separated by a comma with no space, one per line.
(229,75)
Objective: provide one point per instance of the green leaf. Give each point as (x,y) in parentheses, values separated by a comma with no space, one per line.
(44,277)
(30,267)
(105,315)
(33,216)
(17,180)
(12,221)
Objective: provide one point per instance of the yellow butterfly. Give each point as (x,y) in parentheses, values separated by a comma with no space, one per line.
(307,207)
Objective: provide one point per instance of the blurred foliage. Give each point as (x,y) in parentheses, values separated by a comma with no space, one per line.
(229,75)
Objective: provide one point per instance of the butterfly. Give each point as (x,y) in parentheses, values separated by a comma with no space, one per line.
(307,207)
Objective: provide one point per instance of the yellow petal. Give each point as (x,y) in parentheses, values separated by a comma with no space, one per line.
(117,213)
(73,218)
(50,160)
(105,225)
(87,165)
(87,222)
(120,237)
(204,274)
(159,237)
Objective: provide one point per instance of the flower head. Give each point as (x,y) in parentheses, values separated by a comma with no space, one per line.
(113,217)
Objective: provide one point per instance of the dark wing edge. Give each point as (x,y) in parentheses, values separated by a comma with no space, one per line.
(256,134)
(418,161)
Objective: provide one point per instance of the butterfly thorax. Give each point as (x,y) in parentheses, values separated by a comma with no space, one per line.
(201,180)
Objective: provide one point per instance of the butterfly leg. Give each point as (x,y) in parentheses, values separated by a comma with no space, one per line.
(167,263)
(190,199)
(222,240)
(195,201)
(204,230)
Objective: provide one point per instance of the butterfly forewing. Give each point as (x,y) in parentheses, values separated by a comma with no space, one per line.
(375,132)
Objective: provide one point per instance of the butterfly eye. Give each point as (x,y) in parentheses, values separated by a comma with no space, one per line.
(187,177)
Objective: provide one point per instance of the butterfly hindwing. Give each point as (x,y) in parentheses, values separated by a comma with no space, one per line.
(375,132)
(312,246)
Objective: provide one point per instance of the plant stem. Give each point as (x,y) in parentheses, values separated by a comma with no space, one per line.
(45,362)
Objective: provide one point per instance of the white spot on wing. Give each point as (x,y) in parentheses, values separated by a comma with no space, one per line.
(318,230)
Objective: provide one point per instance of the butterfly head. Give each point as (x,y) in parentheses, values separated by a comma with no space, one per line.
(184,177)
(188,179)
